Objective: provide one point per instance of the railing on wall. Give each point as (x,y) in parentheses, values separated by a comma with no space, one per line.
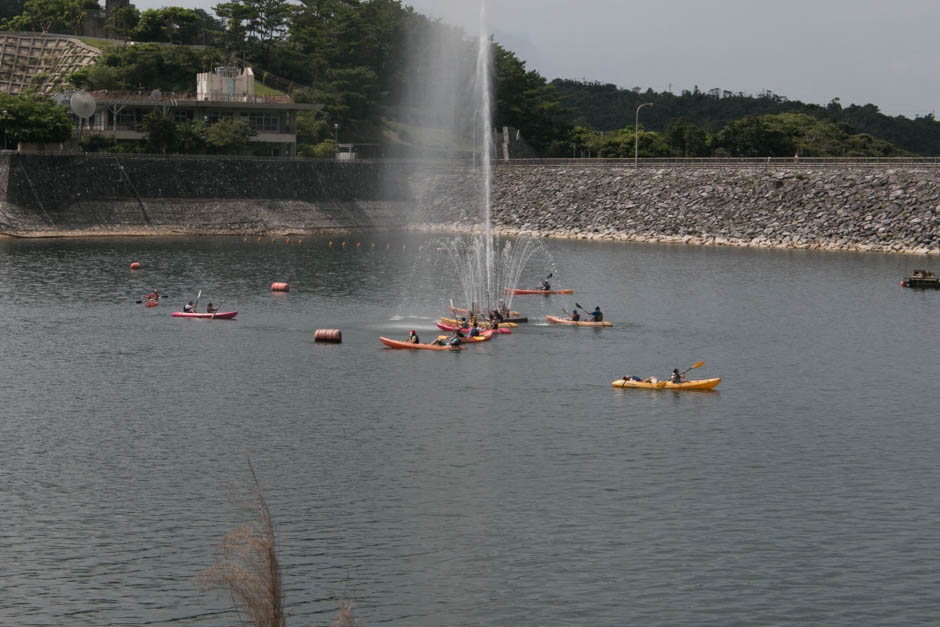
(734,162)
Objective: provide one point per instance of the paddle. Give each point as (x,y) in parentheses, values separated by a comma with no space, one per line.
(196,304)
(140,301)
(542,286)
(216,309)
(578,305)
(697,364)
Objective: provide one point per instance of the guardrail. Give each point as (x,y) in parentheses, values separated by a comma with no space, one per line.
(734,162)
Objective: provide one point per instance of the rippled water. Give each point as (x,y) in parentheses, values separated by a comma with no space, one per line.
(506,484)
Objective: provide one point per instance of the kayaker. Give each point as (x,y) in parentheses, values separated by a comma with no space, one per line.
(574,315)
(455,341)
(464,324)
(210,308)
(498,315)
(153,295)
(189,308)
(631,377)
(546,286)
(413,337)
(676,376)
(597,315)
(474,331)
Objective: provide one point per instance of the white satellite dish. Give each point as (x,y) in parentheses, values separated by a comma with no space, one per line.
(82,104)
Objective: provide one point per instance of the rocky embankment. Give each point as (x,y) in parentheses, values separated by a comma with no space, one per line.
(887,210)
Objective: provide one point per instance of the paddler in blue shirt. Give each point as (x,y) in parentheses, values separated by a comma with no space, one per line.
(597,315)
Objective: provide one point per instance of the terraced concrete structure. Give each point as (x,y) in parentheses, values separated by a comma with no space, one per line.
(40,61)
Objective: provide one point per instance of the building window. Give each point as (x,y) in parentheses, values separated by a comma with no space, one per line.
(211,117)
(265,121)
(127,119)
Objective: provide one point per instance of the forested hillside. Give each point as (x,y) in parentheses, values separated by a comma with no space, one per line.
(359,58)
(606,107)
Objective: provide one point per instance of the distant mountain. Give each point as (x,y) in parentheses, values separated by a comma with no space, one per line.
(606,107)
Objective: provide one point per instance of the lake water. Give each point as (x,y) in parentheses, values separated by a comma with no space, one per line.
(508,484)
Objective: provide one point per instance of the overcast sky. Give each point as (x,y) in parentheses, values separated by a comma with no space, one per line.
(885,52)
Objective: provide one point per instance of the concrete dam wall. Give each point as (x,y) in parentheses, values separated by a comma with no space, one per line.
(101,195)
(846,208)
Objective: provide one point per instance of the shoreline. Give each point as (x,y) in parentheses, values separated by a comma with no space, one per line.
(687,240)
(499,230)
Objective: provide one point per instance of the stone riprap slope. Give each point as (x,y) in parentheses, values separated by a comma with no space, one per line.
(895,210)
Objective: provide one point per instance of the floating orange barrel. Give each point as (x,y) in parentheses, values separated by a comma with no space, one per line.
(280,287)
(328,335)
(135,265)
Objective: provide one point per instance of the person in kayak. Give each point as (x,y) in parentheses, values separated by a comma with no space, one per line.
(631,377)
(455,341)
(464,324)
(189,307)
(546,286)
(676,376)
(413,337)
(597,315)
(153,295)
(474,331)
(211,309)
(574,315)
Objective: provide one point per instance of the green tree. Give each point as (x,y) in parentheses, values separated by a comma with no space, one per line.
(191,136)
(227,136)
(160,133)
(686,139)
(33,119)
(174,25)
(526,102)
(51,15)
(122,21)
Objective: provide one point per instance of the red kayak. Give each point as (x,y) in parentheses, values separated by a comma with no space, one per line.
(543,292)
(151,303)
(449,327)
(222,315)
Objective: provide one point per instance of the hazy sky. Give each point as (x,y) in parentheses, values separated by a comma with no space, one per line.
(885,52)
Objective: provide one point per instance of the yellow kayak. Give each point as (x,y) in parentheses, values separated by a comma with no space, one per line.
(580,323)
(694,384)
(502,325)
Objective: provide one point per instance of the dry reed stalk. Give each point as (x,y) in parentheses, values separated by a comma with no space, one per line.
(246,564)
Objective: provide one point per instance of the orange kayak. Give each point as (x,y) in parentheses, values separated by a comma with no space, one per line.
(431,347)
(580,323)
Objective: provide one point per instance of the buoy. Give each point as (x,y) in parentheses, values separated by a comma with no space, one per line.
(328,335)
(135,265)
(280,287)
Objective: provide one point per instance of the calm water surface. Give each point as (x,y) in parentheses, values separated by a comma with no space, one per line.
(508,484)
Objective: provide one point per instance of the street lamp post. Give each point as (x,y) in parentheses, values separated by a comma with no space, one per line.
(636,132)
